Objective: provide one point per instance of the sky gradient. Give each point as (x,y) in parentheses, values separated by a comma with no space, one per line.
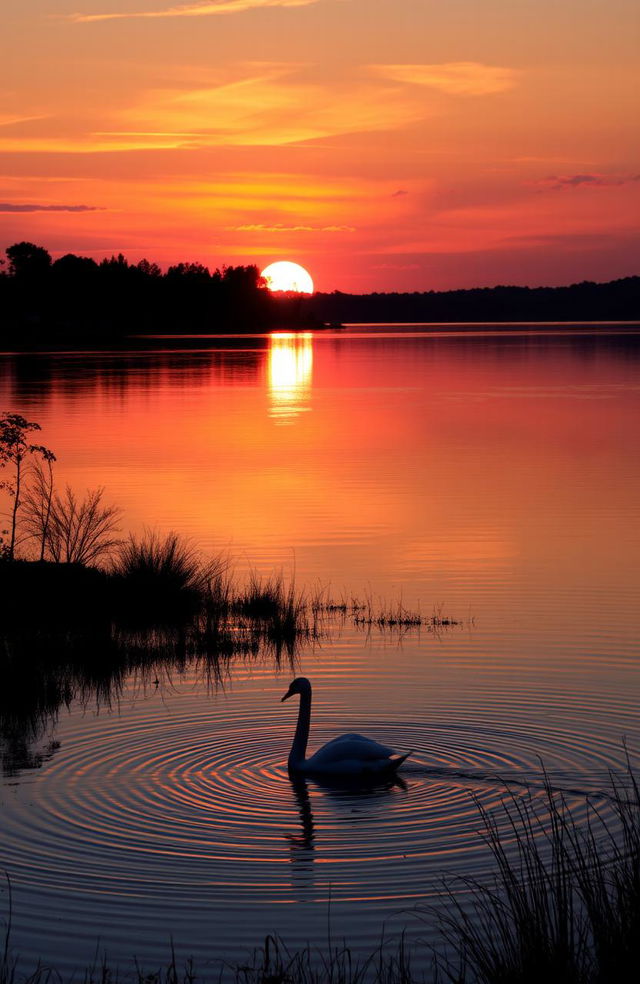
(382,144)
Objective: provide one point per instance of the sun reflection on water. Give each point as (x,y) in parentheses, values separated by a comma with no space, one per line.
(290,373)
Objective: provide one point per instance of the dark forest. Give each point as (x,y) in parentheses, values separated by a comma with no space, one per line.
(75,299)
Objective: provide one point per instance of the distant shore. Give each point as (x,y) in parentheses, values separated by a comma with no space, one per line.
(80,303)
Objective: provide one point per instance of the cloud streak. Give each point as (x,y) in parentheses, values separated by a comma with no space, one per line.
(295,228)
(207,8)
(15,207)
(454,78)
(13,120)
(269,106)
(566,181)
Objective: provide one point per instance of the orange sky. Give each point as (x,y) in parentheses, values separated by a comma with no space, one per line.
(383,144)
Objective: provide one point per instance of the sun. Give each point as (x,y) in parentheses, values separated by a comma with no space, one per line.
(288,276)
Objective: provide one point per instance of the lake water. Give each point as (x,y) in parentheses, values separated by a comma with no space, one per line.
(490,475)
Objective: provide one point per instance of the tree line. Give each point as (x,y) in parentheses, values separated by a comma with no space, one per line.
(617,300)
(77,299)
(76,296)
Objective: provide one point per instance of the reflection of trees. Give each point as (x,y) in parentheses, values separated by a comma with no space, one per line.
(231,362)
(44,671)
(41,674)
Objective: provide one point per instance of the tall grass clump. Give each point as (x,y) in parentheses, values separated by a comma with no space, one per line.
(275,963)
(282,610)
(164,575)
(564,907)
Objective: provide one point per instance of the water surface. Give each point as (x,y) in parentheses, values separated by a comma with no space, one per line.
(492,475)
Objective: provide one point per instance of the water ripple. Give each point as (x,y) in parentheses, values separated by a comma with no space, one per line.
(152,821)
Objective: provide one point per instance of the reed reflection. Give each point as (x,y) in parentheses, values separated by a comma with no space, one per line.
(290,374)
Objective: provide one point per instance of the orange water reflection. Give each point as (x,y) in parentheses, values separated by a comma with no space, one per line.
(290,374)
(491,474)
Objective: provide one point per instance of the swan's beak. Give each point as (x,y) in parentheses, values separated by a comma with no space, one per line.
(288,694)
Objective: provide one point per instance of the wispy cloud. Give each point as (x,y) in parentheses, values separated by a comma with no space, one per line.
(265,105)
(395,266)
(400,193)
(206,8)
(6,120)
(260,227)
(16,207)
(454,78)
(560,182)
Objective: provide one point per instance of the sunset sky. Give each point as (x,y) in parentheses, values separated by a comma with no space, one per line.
(383,144)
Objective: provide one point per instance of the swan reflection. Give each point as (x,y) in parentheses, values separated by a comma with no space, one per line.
(290,370)
(351,802)
(303,840)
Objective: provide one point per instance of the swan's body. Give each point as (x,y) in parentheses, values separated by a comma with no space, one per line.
(347,756)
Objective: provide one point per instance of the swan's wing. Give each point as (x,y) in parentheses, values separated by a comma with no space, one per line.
(352,746)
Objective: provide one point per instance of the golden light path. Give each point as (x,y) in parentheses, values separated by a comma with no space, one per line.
(290,369)
(288,276)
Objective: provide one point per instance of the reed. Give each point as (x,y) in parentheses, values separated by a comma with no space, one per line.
(283,613)
(565,903)
(368,614)
(163,576)
(271,963)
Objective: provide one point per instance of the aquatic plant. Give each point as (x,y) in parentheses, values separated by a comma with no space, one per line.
(163,575)
(367,614)
(564,905)
(283,611)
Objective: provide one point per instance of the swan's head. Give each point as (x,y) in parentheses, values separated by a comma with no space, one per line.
(298,686)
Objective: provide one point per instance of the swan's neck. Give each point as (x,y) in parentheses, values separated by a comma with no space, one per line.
(301,737)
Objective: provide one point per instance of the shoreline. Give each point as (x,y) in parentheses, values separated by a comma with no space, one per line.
(195,340)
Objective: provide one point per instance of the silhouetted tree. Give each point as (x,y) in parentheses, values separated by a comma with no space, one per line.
(82,531)
(27,261)
(38,502)
(149,269)
(14,450)
(189,271)
(75,267)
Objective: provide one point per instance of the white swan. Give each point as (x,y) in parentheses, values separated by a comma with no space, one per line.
(347,756)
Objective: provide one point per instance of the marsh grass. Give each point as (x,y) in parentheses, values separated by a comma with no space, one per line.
(271,963)
(286,616)
(71,633)
(368,614)
(564,906)
(163,576)
(166,581)
(274,963)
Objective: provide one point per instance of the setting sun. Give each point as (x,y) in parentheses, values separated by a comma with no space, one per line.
(288,276)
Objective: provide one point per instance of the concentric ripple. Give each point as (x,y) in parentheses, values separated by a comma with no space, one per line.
(175,818)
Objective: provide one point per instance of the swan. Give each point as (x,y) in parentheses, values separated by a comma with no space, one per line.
(347,756)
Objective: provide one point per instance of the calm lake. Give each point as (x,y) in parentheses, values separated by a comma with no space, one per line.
(492,476)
